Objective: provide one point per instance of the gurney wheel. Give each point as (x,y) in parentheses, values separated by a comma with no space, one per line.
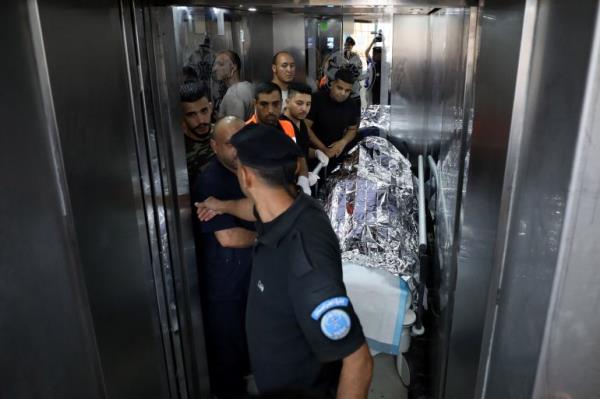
(403,370)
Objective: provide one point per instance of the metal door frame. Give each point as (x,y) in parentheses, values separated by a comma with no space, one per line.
(165,193)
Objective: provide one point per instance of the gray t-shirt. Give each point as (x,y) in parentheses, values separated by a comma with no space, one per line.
(238,101)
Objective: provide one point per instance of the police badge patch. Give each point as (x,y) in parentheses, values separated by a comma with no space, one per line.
(335,324)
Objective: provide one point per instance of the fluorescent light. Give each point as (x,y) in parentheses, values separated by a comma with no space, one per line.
(251,9)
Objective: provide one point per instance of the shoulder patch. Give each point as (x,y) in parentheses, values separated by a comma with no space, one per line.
(335,324)
(335,302)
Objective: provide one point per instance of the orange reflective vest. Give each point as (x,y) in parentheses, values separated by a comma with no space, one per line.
(286,126)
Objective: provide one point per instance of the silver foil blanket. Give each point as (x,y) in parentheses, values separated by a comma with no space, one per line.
(377,116)
(372,205)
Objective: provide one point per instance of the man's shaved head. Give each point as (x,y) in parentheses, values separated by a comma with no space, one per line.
(227,123)
(224,129)
(284,68)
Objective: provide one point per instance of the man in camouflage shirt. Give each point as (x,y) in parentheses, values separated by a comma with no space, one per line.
(197,110)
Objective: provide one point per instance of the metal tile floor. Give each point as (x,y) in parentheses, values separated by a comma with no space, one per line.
(386,383)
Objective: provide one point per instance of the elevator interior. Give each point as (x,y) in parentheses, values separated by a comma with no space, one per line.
(99,295)
(426,69)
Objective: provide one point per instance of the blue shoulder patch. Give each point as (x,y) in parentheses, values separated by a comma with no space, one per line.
(335,324)
(335,302)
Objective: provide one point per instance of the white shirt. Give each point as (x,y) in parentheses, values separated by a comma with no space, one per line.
(284,96)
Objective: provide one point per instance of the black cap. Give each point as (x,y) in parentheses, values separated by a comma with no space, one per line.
(260,145)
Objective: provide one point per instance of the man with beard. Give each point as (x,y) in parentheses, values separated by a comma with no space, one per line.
(267,105)
(226,243)
(238,98)
(334,118)
(197,110)
(267,109)
(284,72)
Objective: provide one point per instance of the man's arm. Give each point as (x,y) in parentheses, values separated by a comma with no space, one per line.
(303,170)
(236,237)
(209,208)
(356,374)
(315,140)
(337,147)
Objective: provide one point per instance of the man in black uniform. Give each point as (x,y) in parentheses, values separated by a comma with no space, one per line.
(226,243)
(301,327)
(334,118)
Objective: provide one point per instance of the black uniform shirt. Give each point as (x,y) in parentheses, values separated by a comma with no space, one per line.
(225,272)
(299,321)
(302,138)
(331,118)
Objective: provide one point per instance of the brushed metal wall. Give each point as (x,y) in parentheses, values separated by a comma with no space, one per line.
(467,279)
(427,78)
(260,29)
(46,331)
(570,353)
(289,35)
(410,87)
(542,165)
(96,125)
(456,129)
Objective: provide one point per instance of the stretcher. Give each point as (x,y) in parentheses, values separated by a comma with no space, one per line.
(384,302)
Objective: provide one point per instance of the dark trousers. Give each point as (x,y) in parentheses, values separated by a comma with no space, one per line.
(226,347)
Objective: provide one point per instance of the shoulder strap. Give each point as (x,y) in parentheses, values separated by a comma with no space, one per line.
(288,129)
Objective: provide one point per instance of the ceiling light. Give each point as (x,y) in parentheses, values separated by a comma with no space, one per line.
(252,9)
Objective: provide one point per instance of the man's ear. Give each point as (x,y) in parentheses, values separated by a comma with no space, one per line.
(273,68)
(245,176)
(213,145)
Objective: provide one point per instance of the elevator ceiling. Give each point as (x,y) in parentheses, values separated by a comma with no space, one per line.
(333,7)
